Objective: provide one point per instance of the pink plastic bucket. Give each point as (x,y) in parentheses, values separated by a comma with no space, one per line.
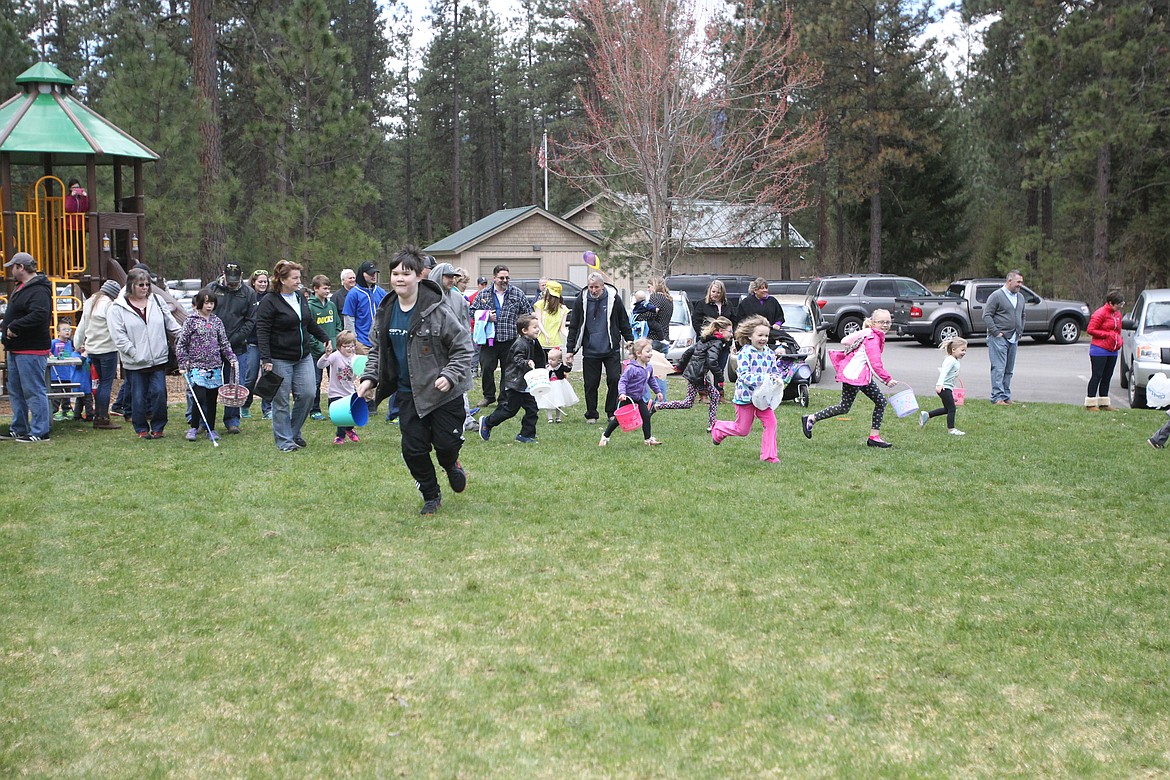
(628,417)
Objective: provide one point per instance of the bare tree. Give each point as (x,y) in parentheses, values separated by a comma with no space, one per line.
(674,118)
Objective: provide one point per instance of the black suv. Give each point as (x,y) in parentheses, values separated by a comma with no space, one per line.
(531,288)
(846,300)
(695,285)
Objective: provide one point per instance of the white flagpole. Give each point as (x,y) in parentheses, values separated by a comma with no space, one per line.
(544,154)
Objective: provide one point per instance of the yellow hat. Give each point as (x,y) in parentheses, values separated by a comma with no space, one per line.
(554,287)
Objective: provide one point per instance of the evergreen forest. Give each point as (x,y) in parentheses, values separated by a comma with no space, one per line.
(323,131)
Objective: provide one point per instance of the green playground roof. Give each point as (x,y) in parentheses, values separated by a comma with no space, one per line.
(45,118)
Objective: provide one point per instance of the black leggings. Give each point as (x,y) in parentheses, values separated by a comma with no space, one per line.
(948,407)
(1102,366)
(208,400)
(644,411)
(849,395)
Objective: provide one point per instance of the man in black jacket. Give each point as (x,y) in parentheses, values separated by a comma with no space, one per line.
(25,333)
(599,323)
(235,306)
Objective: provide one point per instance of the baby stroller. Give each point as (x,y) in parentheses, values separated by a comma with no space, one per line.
(794,369)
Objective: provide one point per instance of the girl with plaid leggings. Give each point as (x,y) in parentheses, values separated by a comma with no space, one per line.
(701,362)
(856,370)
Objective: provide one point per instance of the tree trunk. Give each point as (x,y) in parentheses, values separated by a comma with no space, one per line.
(1101,208)
(822,220)
(1032,220)
(456,130)
(875,193)
(212,229)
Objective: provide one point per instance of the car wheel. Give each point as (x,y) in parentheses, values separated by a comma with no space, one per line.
(946,330)
(802,395)
(1123,377)
(847,327)
(1067,331)
(817,368)
(1137,395)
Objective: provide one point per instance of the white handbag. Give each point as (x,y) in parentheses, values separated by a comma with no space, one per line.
(769,394)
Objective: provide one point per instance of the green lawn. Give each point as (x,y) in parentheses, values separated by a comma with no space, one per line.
(990,605)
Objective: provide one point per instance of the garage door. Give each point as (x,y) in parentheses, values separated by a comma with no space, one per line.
(519,268)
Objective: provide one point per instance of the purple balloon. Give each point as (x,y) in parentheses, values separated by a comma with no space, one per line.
(590,258)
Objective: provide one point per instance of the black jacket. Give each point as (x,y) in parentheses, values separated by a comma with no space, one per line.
(523,350)
(30,310)
(281,333)
(617,322)
(701,359)
(237,310)
(703,312)
(769,308)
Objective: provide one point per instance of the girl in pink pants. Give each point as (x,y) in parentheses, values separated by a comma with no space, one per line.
(754,361)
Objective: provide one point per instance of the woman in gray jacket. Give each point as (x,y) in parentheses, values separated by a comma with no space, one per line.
(139,324)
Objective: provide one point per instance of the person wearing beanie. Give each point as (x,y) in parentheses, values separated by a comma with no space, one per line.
(235,306)
(361,303)
(93,340)
(25,334)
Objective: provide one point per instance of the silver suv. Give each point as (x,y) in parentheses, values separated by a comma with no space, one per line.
(845,300)
(1145,343)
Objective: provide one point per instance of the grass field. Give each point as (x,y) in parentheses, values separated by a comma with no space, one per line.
(986,606)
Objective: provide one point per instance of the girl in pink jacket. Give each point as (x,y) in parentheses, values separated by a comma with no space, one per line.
(856,371)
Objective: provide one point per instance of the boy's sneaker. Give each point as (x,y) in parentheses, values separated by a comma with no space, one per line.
(352,436)
(806,425)
(245,414)
(923,417)
(525,439)
(878,442)
(13,435)
(145,435)
(192,433)
(297,440)
(339,440)
(68,413)
(956,432)
(28,438)
(485,432)
(157,435)
(317,416)
(431,506)
(58,416)
(457,477)
(1155,444)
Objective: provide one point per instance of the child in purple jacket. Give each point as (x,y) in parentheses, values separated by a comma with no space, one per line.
(636,381)
(202,348)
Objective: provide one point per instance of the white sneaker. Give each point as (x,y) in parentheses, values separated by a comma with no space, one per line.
(604,441)
(956,432)
(922,418)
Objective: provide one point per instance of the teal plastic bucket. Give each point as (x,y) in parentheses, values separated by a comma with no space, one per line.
(359,365)
(348,411)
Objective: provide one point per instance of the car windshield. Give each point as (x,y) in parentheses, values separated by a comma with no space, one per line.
(797,317)
(1157,316)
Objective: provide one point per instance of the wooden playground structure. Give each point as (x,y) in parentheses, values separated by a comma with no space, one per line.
(46,128)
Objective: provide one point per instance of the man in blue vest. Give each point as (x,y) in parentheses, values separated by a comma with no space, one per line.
(361,303)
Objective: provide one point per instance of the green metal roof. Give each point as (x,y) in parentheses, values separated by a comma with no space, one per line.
(47,119)
(493,223)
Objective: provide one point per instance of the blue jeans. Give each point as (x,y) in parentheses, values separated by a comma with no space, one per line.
(28,392)
(148,398)
(251,375)
(231,414)
(298,379)
(1003,364)
(106,366)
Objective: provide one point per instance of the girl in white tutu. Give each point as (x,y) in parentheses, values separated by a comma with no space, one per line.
(562,395)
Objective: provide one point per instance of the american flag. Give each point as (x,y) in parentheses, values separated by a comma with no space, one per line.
(542,156)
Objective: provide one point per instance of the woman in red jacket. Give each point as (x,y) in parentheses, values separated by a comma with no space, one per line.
(1105,328)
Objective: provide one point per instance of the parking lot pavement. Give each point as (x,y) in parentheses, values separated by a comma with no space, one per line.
(1047,372)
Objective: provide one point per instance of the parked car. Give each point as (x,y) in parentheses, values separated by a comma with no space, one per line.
(778,287)
(531,287)
(845,300)
(1145,343)
(682,331)
(183,291)
(803,321)
(959,312)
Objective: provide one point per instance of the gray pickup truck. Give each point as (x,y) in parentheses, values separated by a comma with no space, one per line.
(959,312)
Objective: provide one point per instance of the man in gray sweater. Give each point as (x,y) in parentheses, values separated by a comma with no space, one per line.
(1004,316)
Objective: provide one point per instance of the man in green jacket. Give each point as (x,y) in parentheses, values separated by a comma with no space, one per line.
(329,320)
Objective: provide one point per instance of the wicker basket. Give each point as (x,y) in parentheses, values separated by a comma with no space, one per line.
(232,394)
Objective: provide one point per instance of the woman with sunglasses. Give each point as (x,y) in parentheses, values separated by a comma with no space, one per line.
(258,281)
